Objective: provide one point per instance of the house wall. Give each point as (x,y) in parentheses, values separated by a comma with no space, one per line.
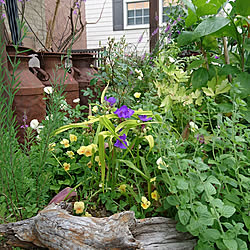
(98,33)
(38,13)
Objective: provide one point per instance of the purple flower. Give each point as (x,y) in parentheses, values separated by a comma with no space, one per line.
(24,126)
(111,100)
(2,1)
(156,18)
(216,57)
(174,22)
(120,143)
(131,72)
(140,38)
(167,28)
(178,32)
(144,118)
(143,56)
(178,18)
(124,112)
(200,138)
(155,31)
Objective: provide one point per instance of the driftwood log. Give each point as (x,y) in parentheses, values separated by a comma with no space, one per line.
(55,228)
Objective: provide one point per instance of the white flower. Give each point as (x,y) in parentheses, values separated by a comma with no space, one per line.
(48,90)
(159,161)
(77,100)
(39,128)
(193,126)
(49,117)
(95,109)
(171,59)
(139,77)
(63,106)
(34,124)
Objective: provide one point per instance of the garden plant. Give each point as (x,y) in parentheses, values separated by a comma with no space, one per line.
(169,135)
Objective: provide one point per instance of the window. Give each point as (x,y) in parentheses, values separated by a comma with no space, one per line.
(137,13)
(167,5)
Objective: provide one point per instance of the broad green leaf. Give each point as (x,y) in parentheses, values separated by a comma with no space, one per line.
(209,188)
(181,183)
(107,123)
(208,92)
(231,244)
(127,124)
(246,220)
(132,166)
(190,5)
(191,18)
(150,140)
(186,37)
(217,202)
(208,7)
(211,234)
(224,87)
(144,166)
(227,211)
(243,7)
(211,25)
(199,78)
(184,216)
(172,200)
(213,179)
(243,79)
(195,64)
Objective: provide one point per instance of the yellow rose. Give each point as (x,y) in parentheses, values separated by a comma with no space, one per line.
(72,137)
(79,207)
(66,166)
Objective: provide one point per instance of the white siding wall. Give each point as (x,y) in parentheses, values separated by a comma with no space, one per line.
(98,33)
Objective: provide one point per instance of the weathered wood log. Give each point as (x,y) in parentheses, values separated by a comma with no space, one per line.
(55,228)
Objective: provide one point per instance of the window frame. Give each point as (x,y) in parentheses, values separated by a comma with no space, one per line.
(140,26)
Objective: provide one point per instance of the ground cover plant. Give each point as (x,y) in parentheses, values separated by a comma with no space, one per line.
(169,136)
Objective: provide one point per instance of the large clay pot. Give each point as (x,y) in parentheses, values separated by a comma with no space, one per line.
(28,101)
(83,72)
(52,64)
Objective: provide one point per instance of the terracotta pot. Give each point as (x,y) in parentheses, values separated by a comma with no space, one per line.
(29,98)
(83,73)
(49,62)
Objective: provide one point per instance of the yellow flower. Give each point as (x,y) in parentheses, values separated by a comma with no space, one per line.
(79,207)
(70,154)
(81,150)
(122,188)
(145,203)
(152,179)
(155,195)
(94,147)
(89,164)
(66,166)
(97,159)
(88,214)
(52,146)
(65,142)
(144,199)
(72,137)
(88,151)
(137,95)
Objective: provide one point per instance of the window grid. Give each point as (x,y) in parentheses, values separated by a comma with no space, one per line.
(138,13)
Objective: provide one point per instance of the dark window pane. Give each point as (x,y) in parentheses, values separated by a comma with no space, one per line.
(146,20)
(131,21)
(131,13)
(139,20)
(146,12)
(138,12)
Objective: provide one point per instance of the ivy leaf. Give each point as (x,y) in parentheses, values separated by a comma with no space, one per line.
(184,216)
